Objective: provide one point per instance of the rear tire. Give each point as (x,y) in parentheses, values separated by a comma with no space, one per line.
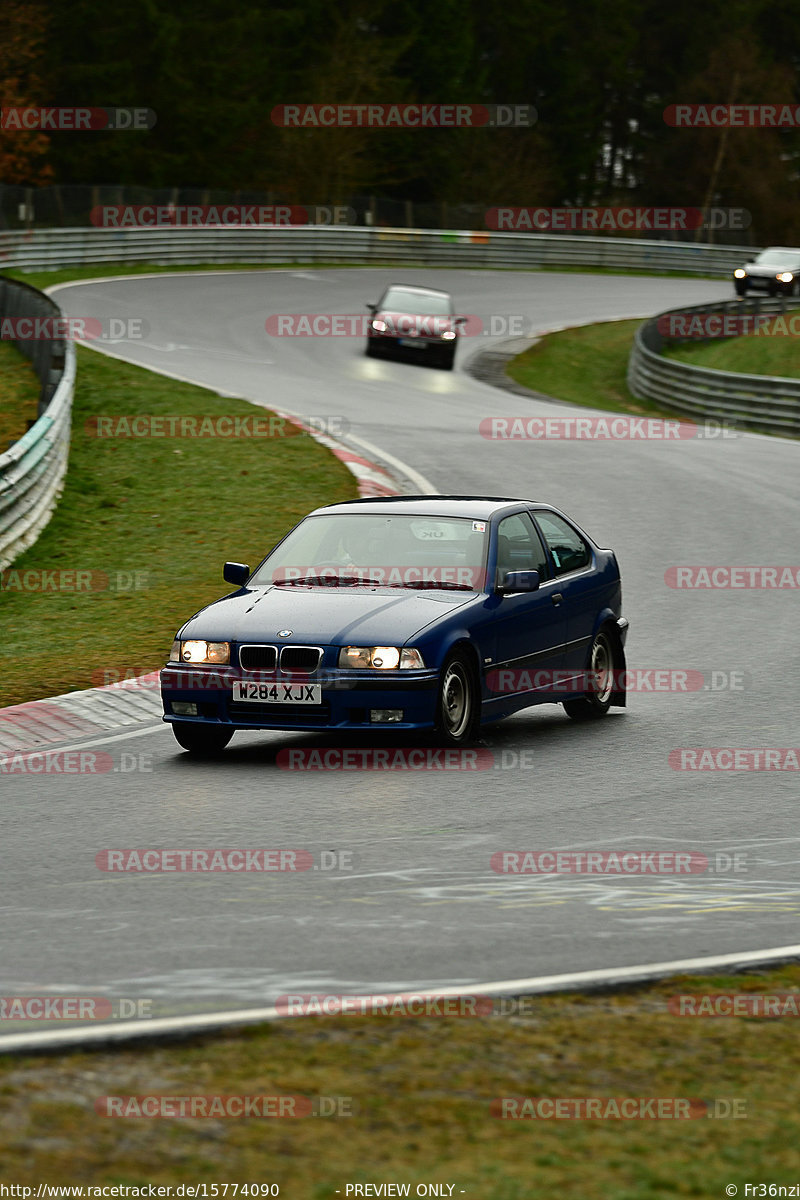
(602,664)
(203,741)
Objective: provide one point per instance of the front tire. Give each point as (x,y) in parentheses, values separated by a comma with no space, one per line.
(741,289)
(458,703)
(203,741)
(597,702)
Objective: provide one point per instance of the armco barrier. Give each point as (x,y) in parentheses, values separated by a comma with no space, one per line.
(768,403)
(47,249)
(32,470)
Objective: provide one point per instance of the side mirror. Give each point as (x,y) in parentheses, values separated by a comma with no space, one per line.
(461,320)
(519,581)
(236,573)
(373,308)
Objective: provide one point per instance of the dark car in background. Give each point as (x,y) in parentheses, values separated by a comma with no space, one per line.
(775,271)
(419,320)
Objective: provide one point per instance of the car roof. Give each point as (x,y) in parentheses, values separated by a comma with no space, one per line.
(415,287)
(477,507)
(794,251)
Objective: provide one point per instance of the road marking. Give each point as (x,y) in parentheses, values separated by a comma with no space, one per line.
(171,1027)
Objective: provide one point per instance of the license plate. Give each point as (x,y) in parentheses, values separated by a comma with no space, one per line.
(413,342)
(277,693)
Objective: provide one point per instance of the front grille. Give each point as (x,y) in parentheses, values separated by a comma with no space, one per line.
(302,659)
(258,658)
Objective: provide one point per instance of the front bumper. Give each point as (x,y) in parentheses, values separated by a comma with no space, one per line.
(415,345)
(762,283)
(347,699)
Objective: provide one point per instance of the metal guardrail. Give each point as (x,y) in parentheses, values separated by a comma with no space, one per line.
(32,471)
(768,403)
(47,249)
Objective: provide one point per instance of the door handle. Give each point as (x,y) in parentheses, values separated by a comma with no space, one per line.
(556,597)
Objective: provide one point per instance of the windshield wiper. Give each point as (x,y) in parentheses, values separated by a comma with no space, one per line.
(356,581)
(433,583)
(316,581)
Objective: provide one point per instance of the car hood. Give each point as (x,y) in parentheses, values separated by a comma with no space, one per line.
(323,616)
(773,269)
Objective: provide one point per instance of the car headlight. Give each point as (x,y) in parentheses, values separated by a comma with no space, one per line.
(200,652)
(739,273)
(448,335)
(380,326)
(786,277)
(381,658)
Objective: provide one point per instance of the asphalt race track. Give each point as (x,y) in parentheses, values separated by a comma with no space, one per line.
(421,906)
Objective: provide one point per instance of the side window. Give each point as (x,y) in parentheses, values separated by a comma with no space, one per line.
(570,552)
(519,547)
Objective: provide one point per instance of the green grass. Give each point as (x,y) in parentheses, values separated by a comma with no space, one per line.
(19,394)
(585,366)
(420,1090)
(754,354)
(173,509)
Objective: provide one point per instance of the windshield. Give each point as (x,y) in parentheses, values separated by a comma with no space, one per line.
(401,300)
(779,258)
(355,549)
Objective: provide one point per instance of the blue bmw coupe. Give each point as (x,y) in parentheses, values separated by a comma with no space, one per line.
(440,613)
